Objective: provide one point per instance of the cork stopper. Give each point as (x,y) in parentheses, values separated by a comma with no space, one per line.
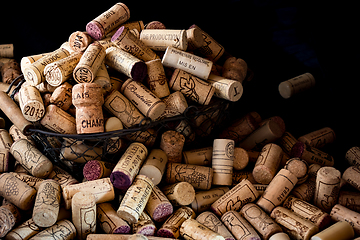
(31,103)
(180,194)
(79,41)
(192,229)
(154,166)
(110,222)
(223,161)
(172,144)
(83,209)
(158,206)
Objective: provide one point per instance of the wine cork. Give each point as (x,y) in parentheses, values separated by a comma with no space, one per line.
(223,161)
(96,169)
(192,229)
(350,200)
(5,140)
(115,143)
(296,85)
(10,71)
(172,144)
(88,100)
(16,134)
(280,236)
(102,189)
(58,72)
(197,66)
(204,199)
(154,166)
(294,225)
(341,213)
(24,231)
(7,50)
(31,103)
(103,79)
(79,41)
(327,188)
(235,69)
(144,225)
(107,21)
(194,38)
(135,199)
(7,221)
(158,206)
(29,180)
(146,137)
(241,194)
(83,208)
(128,166)
(89,63)
(146,101)
(61,96)
(308,211)
(62,177)
(179,194)
(306,190)
(286,142)
(238,226)
(226,88)
(47,204)
(311,154)
(34,73)
(353,156)
(199,177)
(4,160)
(109,221)
(26,61)
(126,63)
(211,221)
(63,229)
(352,176)
(318,138)
(176,104)
(156,78)
(277,190)
(299,168)
(238,176)
(155,25)
(201,156)
(262,222)
(160,39)
(125,40)
(171,227)
(79,152)
(337,231)
(241,158)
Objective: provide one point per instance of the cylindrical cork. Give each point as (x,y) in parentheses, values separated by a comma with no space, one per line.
(7,50)
(287,141)
(10,70)
(103,79)
(294,225)
(62,95)
(260,220)
(179,194)
(128,166)
(26,61)
(172,144)
(147,137)
(135,199)
(47,204)
(155,25)
(96,169)
(24,231)
(83,209)
(192,229)
(156,78)
(7,221)
(200,177)
(353,156)
(31,158)
(114,144)
(306,191)
(299,168)
(145,225)
(160,39)
(109,221)
(280,236)
(204,199)
(79,152)
(223,161)
(158,206)
(102,189)
(308,211)
(311,154)
(171,227)
(126,63)
(238,226)
(241,194)
(63,229)
(5,140)
(337,231)
(350,200)
(16,134)
(327,188)
(195,38)
(296,85)
(241,158)
(62,177)
(211,221)
(341,213)
(277,190)
(238,176)
(31,103)
(235,69)
(352,176)
(5,162)
(145,100)
(88,99)
(201,156)
(227,89)
(318,138)
(107,21)
(30,180)
(79,41)
(176,104)
(267,164)
(154,166)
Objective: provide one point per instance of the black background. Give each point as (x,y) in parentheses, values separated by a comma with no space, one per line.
(278,39)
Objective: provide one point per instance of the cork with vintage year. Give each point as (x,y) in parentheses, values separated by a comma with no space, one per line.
(83,208)
(58,120)
(79,41)
(62,96)
(31,103)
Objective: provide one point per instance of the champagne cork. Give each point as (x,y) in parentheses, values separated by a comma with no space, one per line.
(352,176)
(211,221)
(238,226)
(126,63)
(144,225)
(277,190)
(16,191)
(341,213)
(135,199)
(122,108)
(318,138)
(26,61)
(62,177)
(128,166)
(83,208)
(179,194)
(350,200)
(235,69)
(154,166)
(146,101)
(61,96)
(172,144)
(176,104)
(311,154)
(88,100)
(223,161)
(47,204)
(7,50)
(158,206)
(296,85)
(31,103)
(262,222)
(156,79)
(79,41)
(280,236)
(199,177)
(353,156)
(201,156)
(107,21)
(192,229)
(299,168)
(204,199)
(89,63)
(241,194)
(63,229)
(308,211)
(171,227)
(327,188)
(4,160)
(125,40)
(337,231)
(226,88)
(192,87)
(160,39)
(102,189)
(241,158)
(294,225)
(34,73)
(58,72)
(96,169)
(31,158)
(109,221)
(197,66)
(194,38)
(79,152)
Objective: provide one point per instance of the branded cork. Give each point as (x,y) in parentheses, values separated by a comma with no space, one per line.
(83,208)
(211,221)
(156,78)
(176,104)
(160,39)
(145,225)
(79,41)
(299,168)
(306,190)
(63,229)
(24,231)
(96,169)
(31,103)
(286,142)
(7,221)
(226,88)
(158,206)
(192,229)
(115,143)
(319,138)
(29,180)
(62,95)
(26,61)
(353,156)
(5,139)
(172,143)
(79,152)
(16,134)
(238,176)
(201,156)
(179,194)
(7,50)
(350,200)
(337,231)
(235,69)
(62,177)
(204,199)
(5,162)
(223,161)
(195,39)
(109,221)
(352,176)
(341,213)
(154,166)
(296,85)
(311,154)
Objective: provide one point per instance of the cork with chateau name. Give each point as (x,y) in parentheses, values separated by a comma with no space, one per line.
(58,120)
(31,103)
(79,41)
(160,39)
(83,208)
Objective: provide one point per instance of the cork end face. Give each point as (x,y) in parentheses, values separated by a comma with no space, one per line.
(165,233)
(147,231)
(297,150)
(95,31)
(45,219)
(122,229)
(120,180)
(285,90)
(117,34)
(139,71)
(92,170)
(162,212)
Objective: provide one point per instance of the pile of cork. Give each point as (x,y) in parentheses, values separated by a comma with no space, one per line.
(256,181)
